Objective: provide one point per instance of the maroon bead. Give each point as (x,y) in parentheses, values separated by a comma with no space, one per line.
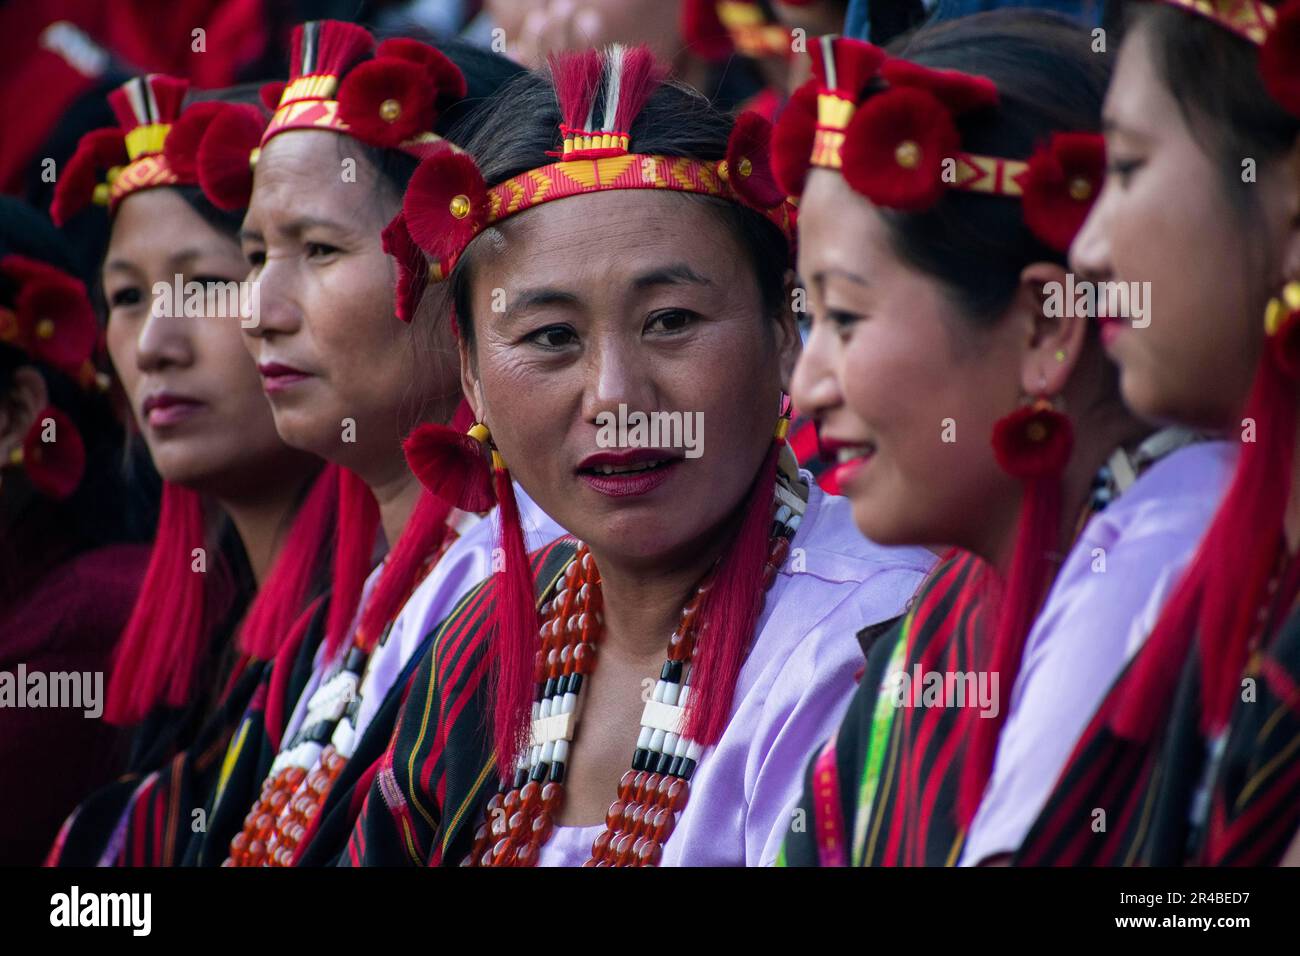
(627,785)
(541,828)
(511,802)
(614,818)
(650,854)
(526,855)
(552,797)
(518,826)
(622,850)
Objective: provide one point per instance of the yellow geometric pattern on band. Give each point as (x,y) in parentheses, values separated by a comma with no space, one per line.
(1251,19)
(144,173)
(146,140)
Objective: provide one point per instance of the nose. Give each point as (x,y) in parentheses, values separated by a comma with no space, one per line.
(276,311)
(619,372)
(164,340)
(815,387)
(1090,251)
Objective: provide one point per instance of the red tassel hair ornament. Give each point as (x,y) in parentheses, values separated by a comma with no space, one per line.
(53,454)
(453,463)
(1033,445)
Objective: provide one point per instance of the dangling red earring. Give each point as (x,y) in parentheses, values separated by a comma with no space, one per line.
(1282,324)
(453,464)
(53,467)
(1032,444)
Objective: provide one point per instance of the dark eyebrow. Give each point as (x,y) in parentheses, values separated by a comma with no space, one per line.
(820,276)
(676,274)
(531,299)
(295,227)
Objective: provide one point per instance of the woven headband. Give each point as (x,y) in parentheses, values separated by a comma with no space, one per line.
(900,146)
(448,202)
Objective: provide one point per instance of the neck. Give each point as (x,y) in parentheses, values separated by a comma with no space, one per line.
(643,601)
(262,521)
(396,495)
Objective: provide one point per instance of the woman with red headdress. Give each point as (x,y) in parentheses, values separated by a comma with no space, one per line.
(1191,759)
(643,694)
(971,406)
(243,529)
(69,567)
(350,362)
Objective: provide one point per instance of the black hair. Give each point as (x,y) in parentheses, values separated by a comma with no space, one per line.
(39,533)
(1213,75)
(521,126)
(1048,80)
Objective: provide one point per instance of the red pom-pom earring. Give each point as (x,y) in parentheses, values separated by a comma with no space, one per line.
(1282,323)
(453,464)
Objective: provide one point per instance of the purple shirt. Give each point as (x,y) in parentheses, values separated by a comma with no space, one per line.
(791,694)
(1091,624)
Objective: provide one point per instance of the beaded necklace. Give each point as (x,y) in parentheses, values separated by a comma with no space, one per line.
(520,817)
(305,770)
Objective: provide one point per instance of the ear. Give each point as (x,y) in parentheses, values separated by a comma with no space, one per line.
(469,383)
(789,342)
(18,409)
(1054,332)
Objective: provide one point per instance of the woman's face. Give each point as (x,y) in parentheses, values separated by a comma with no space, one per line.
(195,394)
(345,377)
(1164,218)
(904,395)
(637,301)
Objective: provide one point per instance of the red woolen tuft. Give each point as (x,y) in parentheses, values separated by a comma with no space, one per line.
(895,146)
(960,92)
(749,162)
(857,63)
(1061,184)
(386,102)
(641,75)
(56,316)
(792,139)
(575,75)
(97,152)
(1034,441)
(225,170)
(452,466)
(54,467)
(1284,344)
(704,32)
(446,204)
(270,94)
(168,96)
(412,270)
(444,76)
(181,147)
(340,45)
(1279,58)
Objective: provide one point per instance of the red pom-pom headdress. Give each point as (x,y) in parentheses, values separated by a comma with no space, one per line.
(391,99)
(448,203)
(714,29)
(160,142)
(890,127)
(129,158)
(52,319)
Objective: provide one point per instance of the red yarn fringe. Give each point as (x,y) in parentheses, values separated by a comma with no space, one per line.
(162,647)
(514,623)
(729,612)
(358,528)
(576,76)
(1028,578)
